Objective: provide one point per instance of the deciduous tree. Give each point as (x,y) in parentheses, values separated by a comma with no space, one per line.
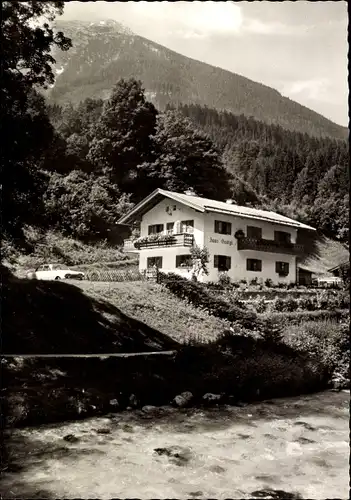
(26,62)
(121,139)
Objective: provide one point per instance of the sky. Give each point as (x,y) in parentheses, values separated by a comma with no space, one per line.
(299,48)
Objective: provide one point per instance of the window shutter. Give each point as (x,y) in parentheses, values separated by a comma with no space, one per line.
(229,228)
(228,263)
(277,267)
(177,227)
(215,264)
(150,230)
(216,229)
(259,265)
(178,260)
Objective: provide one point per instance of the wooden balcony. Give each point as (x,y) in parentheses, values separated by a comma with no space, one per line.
(262,245)
(169,240)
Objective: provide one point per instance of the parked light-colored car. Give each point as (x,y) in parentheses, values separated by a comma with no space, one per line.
(329,280)
(54,272)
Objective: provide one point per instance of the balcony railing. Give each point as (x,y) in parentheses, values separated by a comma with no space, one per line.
(261,245)
(169,240)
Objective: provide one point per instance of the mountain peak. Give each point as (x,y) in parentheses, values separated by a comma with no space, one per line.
(105,50)
(102,24)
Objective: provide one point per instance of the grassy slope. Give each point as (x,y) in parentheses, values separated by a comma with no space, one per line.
(158,308)
(59,318)
(55,317)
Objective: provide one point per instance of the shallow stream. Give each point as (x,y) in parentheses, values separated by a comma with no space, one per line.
(298,447)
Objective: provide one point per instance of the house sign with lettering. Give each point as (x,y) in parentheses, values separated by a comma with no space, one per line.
(223,241)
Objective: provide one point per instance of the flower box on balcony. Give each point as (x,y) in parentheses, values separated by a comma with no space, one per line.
(164,240)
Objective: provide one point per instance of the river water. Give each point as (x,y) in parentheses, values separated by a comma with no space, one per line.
(299,446)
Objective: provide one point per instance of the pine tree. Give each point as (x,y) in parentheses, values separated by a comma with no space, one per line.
(188,158)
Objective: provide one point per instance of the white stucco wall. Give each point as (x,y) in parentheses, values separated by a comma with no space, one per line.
(168,255)
(217,244)
(158,215)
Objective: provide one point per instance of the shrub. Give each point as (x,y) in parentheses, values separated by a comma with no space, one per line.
(254,368)
(200,258)
(214,285)
(197,294)
(326,340)
(260,305)
(254,282)
(236,284)
(308,304)
(278,305)
(272,331)
(291,305)
(268,283)
(224,279)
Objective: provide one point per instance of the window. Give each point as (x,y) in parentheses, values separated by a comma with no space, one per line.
(170,227)
(171,208)
(254,232)
(154,262)
(43,268)
(222,262)
(282,237)
(187,226)
(183,261)
(282,268)
(253,265)
(155,229)
(222,227)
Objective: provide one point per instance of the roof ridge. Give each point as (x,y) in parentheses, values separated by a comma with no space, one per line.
(202,204)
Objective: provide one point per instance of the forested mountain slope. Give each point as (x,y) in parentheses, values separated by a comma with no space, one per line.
(102,53)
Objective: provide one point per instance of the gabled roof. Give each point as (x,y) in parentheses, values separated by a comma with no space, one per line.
(208,205)
(345,264)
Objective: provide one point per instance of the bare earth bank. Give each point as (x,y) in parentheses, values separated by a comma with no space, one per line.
(299,446)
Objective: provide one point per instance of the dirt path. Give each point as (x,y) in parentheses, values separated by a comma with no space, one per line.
(299,446)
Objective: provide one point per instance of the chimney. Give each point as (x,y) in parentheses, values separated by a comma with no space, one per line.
(190,192)
(230,201)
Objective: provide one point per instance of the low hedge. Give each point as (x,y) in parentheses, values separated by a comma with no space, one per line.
(114,275)
(321,301)
(247,289)
(301,316)
(197,294)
